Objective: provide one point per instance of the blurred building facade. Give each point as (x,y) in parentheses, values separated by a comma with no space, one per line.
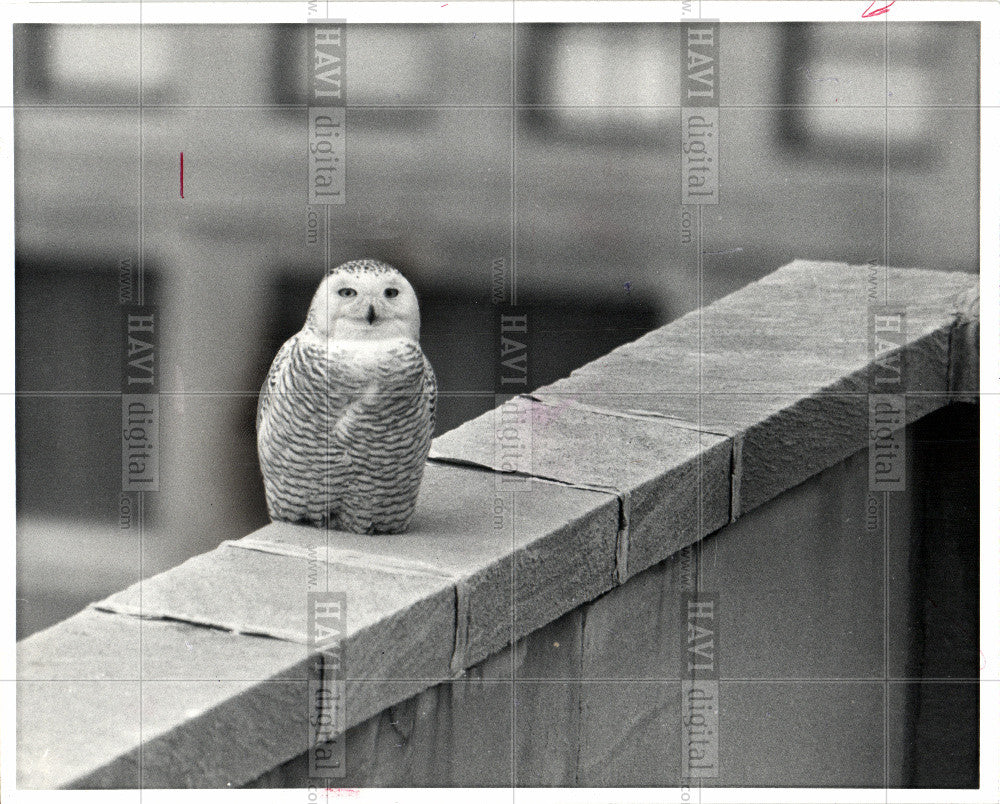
(482,160)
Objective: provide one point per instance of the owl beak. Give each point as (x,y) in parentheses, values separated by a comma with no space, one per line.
(371,314)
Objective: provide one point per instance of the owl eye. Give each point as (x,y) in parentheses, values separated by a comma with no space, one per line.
(391,293)
(347,292)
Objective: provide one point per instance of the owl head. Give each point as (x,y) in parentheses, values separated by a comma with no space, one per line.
(364,300)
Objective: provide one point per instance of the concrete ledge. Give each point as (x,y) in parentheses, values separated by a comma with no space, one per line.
(199,676)
(783,369)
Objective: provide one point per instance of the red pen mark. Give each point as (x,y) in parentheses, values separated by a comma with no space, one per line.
(869,13)
(182,174)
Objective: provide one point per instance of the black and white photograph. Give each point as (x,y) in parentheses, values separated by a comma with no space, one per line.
(570,401)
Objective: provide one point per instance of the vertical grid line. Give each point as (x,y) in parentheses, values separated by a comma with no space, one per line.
(699,263)
(326,401)
(141,495)
(885,637)
(700,544)
(513,663)
(513,155)
(700,300)
(513,303)
(886,496)
(885,160)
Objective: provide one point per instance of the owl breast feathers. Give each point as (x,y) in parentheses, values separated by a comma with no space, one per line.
(346,413)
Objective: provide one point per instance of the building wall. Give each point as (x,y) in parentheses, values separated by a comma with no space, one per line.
(845,645)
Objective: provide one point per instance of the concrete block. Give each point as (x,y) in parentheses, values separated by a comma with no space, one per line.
(782,366)
(963,375)
(220,734)
(673,481)
(504,551)
(189,710)
(89,646)
(77,733)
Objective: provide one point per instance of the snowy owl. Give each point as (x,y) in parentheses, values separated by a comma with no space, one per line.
(346,413)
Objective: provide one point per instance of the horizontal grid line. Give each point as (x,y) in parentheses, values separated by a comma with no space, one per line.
(529,106)
(524,679)
(492,393)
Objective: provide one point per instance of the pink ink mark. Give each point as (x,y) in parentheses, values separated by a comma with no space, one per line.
(869,13)
(347,792)
(182,174)
(542,415)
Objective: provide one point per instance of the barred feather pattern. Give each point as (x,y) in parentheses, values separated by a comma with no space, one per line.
(343,436)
